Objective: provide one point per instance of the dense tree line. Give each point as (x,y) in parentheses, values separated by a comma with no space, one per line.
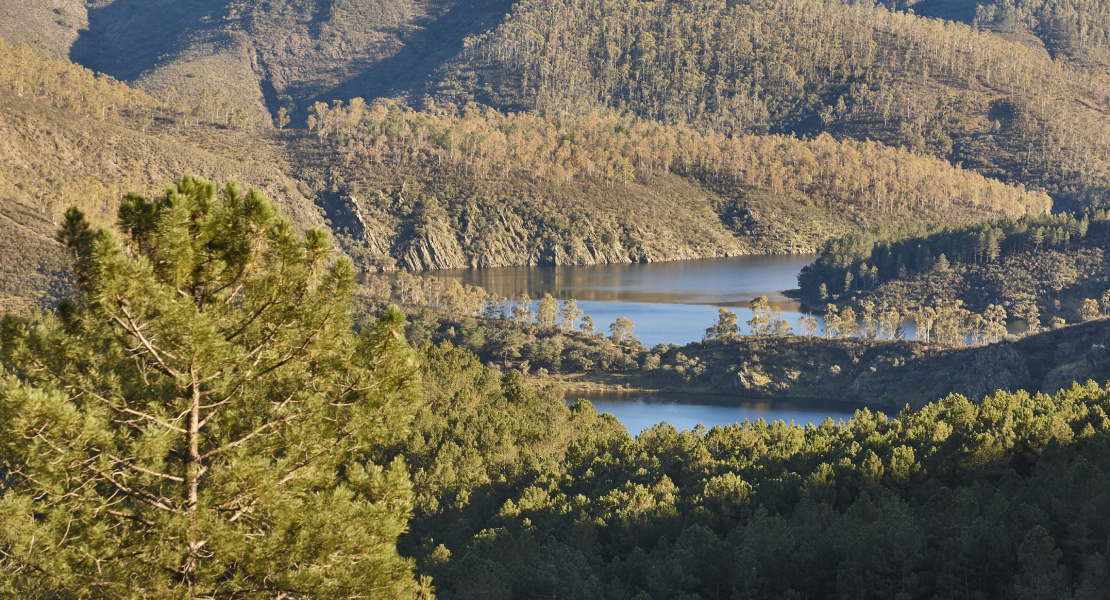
(606,148)
(26,73)
(519,496)
(200,420)
(861,261)
(443,189)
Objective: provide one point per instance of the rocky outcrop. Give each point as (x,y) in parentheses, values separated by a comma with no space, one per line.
(431,248)
(445,225)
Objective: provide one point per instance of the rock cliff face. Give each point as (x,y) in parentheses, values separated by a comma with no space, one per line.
(430,245)
(436,226)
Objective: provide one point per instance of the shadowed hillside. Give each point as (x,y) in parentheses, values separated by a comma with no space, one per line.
(443,188)
(268,55)
(68,138)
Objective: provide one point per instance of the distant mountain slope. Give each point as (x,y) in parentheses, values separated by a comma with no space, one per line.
(266,54)
(68,138)
(807,66)
(1002,107)
(50,160)
(484,188)
(438,189)
(50,25)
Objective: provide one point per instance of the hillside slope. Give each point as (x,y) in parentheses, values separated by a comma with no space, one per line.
(266,54)
(442,189)
(1076,31)
(987,94)
(49,25)
(68,138)
(856,71)
(50,160)
(484,188)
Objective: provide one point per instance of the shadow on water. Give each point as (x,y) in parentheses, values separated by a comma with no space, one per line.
(638,411)
(709,281)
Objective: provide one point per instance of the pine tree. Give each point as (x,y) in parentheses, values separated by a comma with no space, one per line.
(201,421)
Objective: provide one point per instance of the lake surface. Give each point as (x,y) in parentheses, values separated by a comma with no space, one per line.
(669,302)
(640,410)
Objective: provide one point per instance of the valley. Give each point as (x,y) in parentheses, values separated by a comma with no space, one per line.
(607,299)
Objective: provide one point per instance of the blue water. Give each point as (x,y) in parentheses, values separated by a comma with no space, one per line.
(640,410)
(669,302)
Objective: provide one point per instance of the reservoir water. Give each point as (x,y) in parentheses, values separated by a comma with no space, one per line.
(638,411)
(669,302)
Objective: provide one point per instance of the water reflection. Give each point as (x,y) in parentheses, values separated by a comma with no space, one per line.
(640,410)
(669,302)
(709,281)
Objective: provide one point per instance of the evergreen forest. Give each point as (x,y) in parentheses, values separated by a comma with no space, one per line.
(233,365)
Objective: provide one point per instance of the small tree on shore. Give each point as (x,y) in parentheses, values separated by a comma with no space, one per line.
(766,319)
(621,331)
(726,326)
